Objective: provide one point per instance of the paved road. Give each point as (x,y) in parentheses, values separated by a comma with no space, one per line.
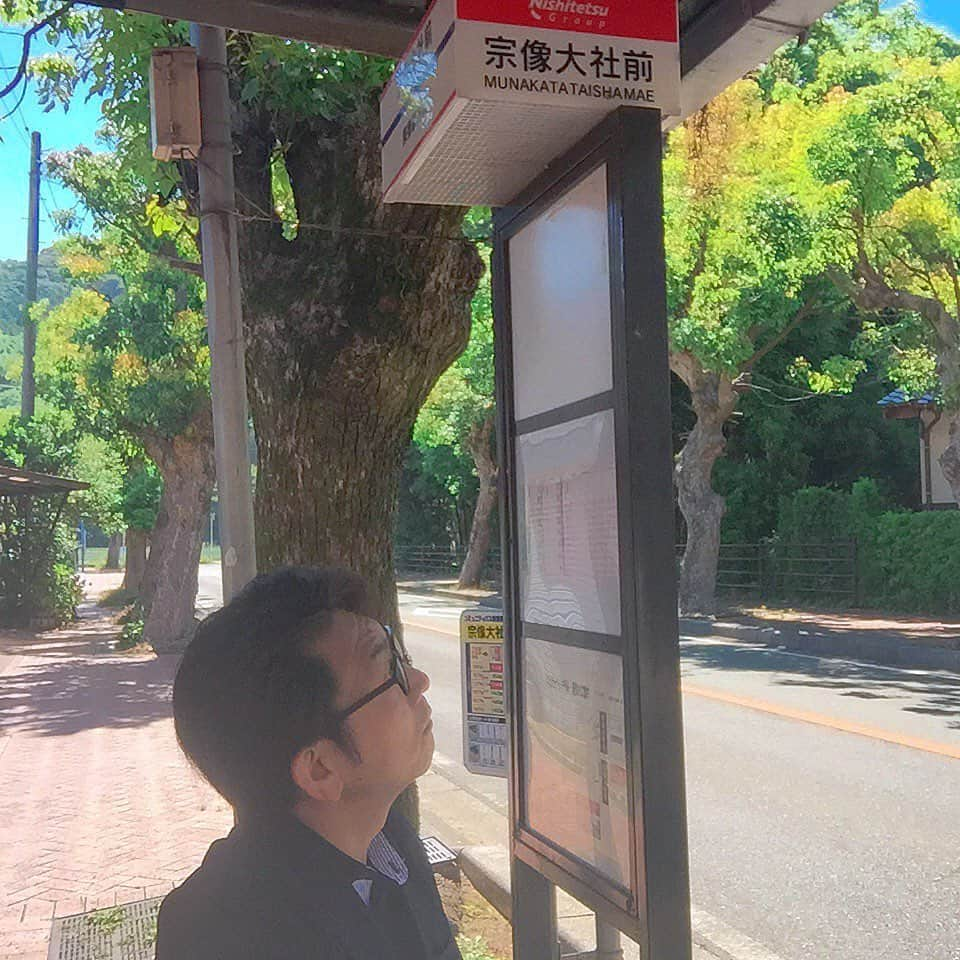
(823,796)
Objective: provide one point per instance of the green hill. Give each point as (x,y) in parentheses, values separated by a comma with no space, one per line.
(52,285)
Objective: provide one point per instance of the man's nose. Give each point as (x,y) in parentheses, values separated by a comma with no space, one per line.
(419,681)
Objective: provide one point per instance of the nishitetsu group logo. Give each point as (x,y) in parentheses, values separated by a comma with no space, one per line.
(565,10)
(633,19)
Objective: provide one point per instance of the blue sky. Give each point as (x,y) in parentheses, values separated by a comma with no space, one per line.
(58,131)
(62,131)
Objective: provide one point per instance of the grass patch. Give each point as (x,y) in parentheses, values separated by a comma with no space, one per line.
(131,635)
(475,948)
(117,599)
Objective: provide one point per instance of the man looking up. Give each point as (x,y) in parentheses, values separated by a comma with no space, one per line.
(298,707)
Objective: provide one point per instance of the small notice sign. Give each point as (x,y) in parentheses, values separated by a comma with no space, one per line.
(485,739)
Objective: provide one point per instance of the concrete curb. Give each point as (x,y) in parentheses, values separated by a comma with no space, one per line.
(892,650)
(488,869)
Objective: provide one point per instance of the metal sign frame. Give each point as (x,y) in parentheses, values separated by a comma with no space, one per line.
(654,910)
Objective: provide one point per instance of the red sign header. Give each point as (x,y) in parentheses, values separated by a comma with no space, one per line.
(635,19)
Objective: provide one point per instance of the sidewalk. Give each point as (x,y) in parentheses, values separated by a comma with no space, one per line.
(902,641)
(97,805)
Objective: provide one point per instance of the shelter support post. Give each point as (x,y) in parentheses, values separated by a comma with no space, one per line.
(590,607)
(534,915)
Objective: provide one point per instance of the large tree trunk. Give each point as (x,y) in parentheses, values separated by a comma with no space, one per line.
(113,551)
(347,331)
(479,443)
(136,562)
(169,591)
(713,400)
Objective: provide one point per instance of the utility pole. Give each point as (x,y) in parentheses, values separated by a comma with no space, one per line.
(221,273)
(28,385)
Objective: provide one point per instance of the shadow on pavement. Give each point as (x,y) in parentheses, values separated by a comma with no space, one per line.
(925,692)
(69,681)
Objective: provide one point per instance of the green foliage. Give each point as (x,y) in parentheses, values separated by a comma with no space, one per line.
(300,80)
(885,150)
(822,514)
(435,502)
(907,561)
(474,948)
(52,285)
(439,475)
(102,466)
(140,500)
(36,568)
(744,250)
(131,634)
(911,562)
(136,366)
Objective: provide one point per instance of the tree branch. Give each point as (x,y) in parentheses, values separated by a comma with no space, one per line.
(873,293)
(798,318)
(27,40)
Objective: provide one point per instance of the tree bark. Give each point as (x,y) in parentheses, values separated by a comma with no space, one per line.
(348,327)
(480,445)
(169,591)
(113,551)
(136,561)
(714,400)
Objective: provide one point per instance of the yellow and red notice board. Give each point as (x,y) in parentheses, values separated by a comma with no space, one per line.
(490,91)
(486,747)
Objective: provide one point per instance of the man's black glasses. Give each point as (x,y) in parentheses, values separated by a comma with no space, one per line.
(398,676)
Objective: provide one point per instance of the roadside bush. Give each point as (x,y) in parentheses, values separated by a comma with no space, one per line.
(824,514)
(906,561)
(911,562)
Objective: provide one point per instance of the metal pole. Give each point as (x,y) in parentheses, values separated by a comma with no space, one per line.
(534,914)
(28,382)
(221,272)
(608,942)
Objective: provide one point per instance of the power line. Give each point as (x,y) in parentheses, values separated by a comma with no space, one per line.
(262,216)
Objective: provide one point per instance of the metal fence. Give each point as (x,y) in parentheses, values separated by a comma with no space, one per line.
(439,563)
(762,572)
(777,571)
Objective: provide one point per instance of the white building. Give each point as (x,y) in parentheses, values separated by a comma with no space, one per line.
(934,429)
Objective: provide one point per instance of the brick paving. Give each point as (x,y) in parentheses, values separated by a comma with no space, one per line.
(97,805)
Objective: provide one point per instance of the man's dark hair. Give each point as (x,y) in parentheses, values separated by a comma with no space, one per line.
(252,691)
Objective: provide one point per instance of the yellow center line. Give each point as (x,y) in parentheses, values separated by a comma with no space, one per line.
(788,713)
(818,719)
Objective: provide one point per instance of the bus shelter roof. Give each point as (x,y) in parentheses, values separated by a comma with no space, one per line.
(15,481)
(720,40)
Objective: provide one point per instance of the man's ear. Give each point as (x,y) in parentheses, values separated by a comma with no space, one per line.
(315,771)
